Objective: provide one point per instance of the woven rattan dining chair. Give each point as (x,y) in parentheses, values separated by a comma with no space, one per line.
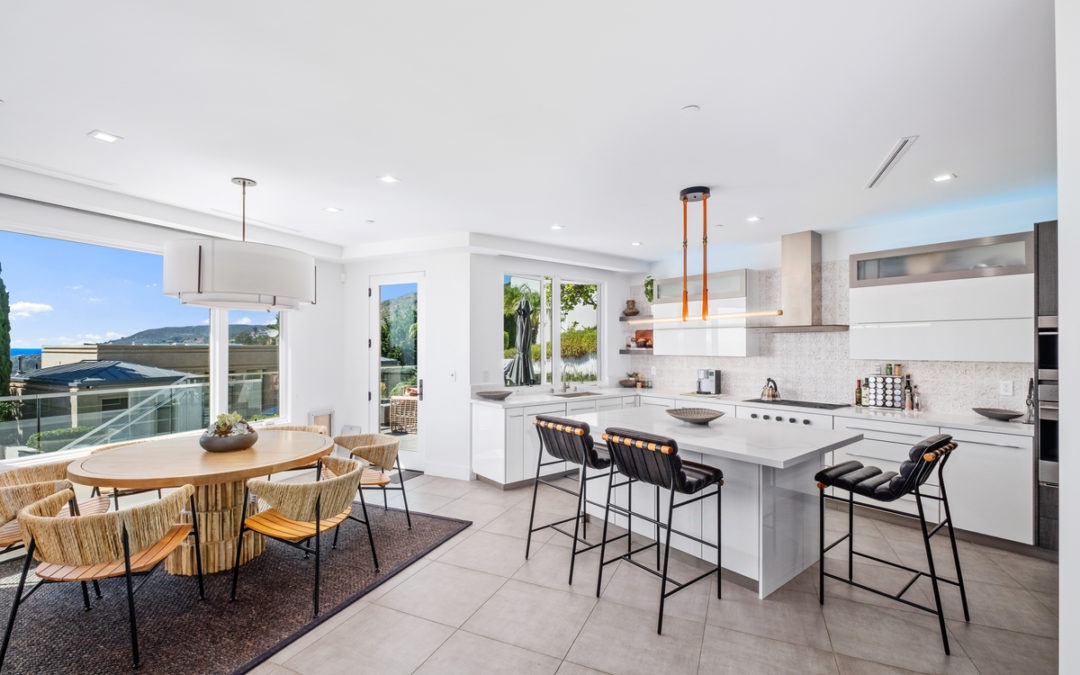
(117,493)
(24,485)
(100,546)
(310,428)
(300,512)
(383,452)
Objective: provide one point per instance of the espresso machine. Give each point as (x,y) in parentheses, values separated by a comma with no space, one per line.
(708,382)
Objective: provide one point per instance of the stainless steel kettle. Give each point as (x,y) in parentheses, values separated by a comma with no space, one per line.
(770,392)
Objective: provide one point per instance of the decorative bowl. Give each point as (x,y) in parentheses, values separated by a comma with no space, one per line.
(494,395)
(629,384)
(694,415)
(228,443)
(998,413)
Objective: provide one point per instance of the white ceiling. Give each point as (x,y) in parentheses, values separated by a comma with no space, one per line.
(505,117)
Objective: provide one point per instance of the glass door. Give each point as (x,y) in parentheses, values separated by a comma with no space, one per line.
(396,348)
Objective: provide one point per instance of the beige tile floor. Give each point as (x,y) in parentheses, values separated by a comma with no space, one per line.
(475,605)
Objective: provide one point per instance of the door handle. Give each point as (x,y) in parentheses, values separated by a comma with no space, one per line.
(420,389)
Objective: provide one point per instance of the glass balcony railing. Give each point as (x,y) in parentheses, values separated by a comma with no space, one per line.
(43,423)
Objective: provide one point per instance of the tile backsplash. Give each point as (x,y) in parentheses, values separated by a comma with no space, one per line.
(816,366)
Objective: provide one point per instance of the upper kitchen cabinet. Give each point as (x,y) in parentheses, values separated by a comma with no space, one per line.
(970,300)
(715,337)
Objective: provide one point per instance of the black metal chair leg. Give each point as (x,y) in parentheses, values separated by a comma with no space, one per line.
(577,522)
(318,556)
(656,526)
(933,572)
(18,599)
(629,518)
(955,552)
(131,599)
(367,523)
(667,554)
(85,596)
(239,545)
(603,535)
(97,589)
(851,536)
(821,546)
(401,478)
(719,529)
(197,544)
(532,511)
(581,489)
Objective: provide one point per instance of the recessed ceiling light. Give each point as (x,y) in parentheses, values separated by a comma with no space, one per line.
(944,177)
(332,209)
(556,226)
(753,219)
(635,243)
(105,136)
(388,179)
(693,107)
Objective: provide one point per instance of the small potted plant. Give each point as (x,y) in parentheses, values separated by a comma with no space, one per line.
(227,433)
(631,380)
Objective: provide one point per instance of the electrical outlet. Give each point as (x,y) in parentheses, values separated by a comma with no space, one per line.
(1005,387)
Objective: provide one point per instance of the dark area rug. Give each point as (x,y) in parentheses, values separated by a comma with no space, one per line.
(180,634)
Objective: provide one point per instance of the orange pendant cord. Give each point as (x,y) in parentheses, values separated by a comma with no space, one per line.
(704,257)
(685,297)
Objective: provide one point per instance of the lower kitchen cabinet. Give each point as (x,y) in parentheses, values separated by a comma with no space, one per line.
(991,484)
(505,443)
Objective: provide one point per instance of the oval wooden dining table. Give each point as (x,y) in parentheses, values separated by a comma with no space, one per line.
(218,478)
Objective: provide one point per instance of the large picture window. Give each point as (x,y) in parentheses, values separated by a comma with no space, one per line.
(529,321)
(92,352)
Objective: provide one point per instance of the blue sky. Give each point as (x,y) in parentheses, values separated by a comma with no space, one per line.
(63,292)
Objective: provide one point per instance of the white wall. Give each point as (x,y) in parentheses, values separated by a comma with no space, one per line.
(315,342)
(443,357)
(1068,133)
(486,302)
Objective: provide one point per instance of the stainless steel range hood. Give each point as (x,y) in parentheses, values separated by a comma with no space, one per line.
(800,286)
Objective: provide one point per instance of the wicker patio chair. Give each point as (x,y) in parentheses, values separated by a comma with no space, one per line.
(101,546)
(382,451)
(300,512)
(24,485)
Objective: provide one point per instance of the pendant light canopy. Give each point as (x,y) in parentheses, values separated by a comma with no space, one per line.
(238,274)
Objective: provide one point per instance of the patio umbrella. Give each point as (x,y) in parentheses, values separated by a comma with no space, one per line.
(519,370)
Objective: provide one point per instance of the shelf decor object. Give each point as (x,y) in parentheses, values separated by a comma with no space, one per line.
(694,415)
(228,434)
(238,274)
(999,413)
(494,395)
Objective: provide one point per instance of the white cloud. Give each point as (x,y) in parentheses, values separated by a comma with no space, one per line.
(93,299)
(206,321)
(77,287)
(25,309)
(95,338)
(246,321)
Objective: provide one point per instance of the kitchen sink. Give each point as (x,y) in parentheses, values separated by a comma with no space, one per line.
(577,394)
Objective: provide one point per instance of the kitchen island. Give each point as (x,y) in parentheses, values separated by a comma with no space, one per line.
(770,507)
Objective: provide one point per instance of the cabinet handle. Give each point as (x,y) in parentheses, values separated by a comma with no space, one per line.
(993,445)
(765,417)
(753,416)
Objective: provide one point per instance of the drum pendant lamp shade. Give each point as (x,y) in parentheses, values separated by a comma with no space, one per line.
(238,274)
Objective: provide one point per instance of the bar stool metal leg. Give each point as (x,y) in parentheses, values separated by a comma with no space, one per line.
(933,572)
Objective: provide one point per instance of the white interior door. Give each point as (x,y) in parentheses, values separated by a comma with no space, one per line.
(396,352)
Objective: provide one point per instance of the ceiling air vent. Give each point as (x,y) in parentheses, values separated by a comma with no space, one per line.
(890,160)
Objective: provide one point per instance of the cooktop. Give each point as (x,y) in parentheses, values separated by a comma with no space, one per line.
(801,404)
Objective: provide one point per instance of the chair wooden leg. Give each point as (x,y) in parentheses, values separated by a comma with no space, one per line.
(18,600)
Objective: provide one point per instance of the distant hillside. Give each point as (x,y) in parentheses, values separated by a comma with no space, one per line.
(178,335)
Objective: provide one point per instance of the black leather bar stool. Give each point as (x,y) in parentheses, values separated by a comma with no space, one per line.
(568,441)
(888,486)
(646,458)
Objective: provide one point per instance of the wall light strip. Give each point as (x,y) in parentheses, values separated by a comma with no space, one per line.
(731,315)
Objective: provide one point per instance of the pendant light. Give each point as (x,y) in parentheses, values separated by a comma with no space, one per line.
(701,194)
(238,274)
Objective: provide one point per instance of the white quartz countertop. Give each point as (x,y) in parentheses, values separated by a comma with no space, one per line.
(528,396)
(728,438)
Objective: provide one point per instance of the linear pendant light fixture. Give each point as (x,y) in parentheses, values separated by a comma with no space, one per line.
(238,274)
(701,194)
